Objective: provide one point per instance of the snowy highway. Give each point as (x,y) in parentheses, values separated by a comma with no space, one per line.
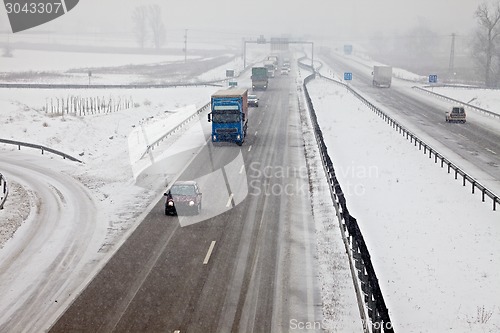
(231,272)
(475,143)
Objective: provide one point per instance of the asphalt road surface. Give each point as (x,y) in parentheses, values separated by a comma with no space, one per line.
(473,141)
(245,264)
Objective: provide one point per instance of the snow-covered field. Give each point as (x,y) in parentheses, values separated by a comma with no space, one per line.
(59,61)
(434,246)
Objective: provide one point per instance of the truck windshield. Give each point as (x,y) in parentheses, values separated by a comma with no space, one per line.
(226,117)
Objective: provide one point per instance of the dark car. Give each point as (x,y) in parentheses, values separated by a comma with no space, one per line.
(253,100)
(184,197)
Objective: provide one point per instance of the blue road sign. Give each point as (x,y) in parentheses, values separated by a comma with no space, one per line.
(347,49)
(433,78)
(347,76)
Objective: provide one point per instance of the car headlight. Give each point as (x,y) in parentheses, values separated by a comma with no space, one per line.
(170,203)
(191,203)
(238,137)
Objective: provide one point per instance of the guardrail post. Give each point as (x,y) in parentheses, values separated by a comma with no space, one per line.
(3,196)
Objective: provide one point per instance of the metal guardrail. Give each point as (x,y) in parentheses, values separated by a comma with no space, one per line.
(4,190)
(20,144)
(493,114)
(175,129)
(370,298)
(426,148)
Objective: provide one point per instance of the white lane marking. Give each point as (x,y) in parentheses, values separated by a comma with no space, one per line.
(463,136)
(423,115)
(209,253)
(256,132)
(242,168)
(177,331)
(491,151)
(229,200)
(250,148)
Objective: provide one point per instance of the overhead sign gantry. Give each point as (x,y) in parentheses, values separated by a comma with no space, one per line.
(277,44)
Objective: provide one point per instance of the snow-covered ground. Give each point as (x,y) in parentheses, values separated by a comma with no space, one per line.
(100,140)
(58,61)
(434,246)
(488,99)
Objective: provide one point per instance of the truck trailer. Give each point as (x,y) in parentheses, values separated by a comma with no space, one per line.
(229,115)
(271,69)
(382,76)
(259,78)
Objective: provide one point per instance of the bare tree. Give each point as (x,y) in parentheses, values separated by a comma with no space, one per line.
(140,17)
(156,24)
(486,40)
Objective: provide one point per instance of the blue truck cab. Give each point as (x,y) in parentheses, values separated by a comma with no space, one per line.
(229,115)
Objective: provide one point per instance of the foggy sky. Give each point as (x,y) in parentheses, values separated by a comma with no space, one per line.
(342,20)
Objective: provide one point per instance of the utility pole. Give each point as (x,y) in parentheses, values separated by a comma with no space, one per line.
(451,68)
(185,44)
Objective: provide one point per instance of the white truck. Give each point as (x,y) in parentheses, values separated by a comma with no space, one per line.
(382,76)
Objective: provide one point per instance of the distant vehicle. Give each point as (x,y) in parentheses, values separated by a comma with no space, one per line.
(229,115)
(259,78)
(271,68)
(456,114)
(184,197)
(382,76)
(253,100)
(274,59)
(284,71)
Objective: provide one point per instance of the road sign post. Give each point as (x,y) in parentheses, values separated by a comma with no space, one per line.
(433,78)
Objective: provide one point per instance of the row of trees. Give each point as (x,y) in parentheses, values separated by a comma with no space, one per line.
(149,27)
